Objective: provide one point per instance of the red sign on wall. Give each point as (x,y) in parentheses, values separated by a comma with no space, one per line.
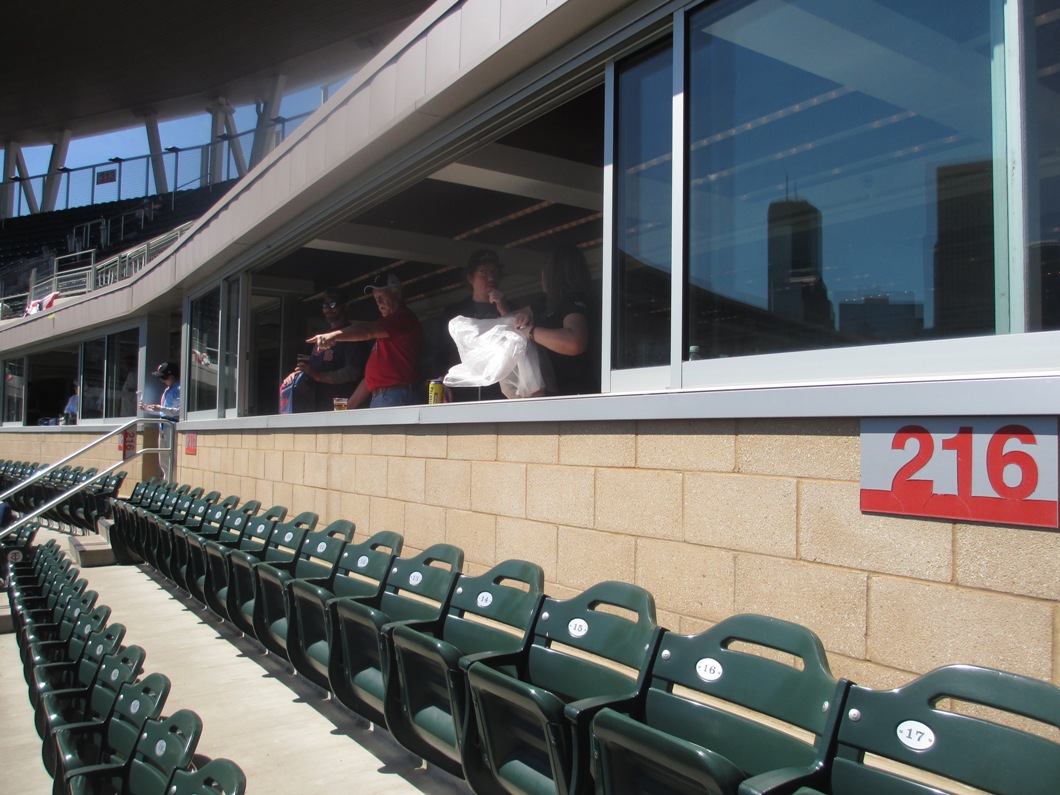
(989,469)
(127,444)
(191,443)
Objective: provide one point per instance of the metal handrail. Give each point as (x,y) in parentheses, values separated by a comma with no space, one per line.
(88,176)
(121,266)
(43,471)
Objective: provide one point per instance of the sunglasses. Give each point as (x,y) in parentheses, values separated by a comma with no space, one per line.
(329,305)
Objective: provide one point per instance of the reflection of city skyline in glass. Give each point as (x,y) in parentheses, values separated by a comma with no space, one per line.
(796,278)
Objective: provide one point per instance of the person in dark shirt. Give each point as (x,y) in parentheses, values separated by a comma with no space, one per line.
(484,272)
(562,323)
(328,373)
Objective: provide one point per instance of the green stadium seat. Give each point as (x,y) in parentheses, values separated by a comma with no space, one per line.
(54,664)
(425,706)
(253,535)
(417,589)
(319,555)
(534,706)
(720,708)
(113,740)
(216,777)
(197,522)
(165,746)
(907,741)
(283,546)
(224,524)
(94,703)
(360,573)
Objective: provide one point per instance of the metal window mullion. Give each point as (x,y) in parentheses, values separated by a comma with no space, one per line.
(222,336)
(1012,212)
(607,278)
(677,203)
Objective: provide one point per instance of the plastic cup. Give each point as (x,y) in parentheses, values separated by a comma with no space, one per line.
(340,403)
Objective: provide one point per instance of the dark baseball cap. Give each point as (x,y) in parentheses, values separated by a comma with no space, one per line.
(165,370)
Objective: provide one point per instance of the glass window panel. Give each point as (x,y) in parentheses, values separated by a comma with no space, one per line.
(93,359)
(643,191)
(200,385)
(123,373)
(839,174)
(14,390)
(1043,284)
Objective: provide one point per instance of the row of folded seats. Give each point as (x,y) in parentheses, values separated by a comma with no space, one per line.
(100,719)
(488,678)
(79,512)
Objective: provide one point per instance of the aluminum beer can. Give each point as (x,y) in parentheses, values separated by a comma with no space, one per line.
(434,391)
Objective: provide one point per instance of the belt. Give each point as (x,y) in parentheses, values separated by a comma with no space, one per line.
(379,390)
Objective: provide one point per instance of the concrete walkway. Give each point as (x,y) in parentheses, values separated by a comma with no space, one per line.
(282,730)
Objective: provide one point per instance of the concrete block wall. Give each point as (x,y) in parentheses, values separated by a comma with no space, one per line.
(714,517)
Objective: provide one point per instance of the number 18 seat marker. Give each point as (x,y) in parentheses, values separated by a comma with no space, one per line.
(990,469)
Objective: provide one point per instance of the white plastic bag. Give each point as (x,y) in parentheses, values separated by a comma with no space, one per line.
(491,352)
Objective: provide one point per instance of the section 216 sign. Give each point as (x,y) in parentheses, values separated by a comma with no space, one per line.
(987,469)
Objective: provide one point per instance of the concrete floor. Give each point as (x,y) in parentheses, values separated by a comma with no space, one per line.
(283,731)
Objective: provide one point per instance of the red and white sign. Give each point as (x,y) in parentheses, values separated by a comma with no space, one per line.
(191,443)
(127,444)
(988,469)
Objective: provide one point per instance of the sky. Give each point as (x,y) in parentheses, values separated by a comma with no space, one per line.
(183,133)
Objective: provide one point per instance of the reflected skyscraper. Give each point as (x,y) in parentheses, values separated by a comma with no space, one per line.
(796,279)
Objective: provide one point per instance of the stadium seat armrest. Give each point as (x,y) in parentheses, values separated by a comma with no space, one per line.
(782,781)
(492,659)
(578,712)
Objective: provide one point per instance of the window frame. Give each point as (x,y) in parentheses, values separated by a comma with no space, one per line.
(906,361)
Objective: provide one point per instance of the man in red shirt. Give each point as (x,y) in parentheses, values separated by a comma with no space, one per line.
(390,373)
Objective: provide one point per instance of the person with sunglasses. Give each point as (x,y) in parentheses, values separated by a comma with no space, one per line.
(327,373)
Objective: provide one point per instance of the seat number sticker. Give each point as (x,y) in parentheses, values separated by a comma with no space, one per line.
(362,561)
(321,546)
(415,578)
(485,599)
(709,670)
(578,627)
(990,469)
(914,734)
